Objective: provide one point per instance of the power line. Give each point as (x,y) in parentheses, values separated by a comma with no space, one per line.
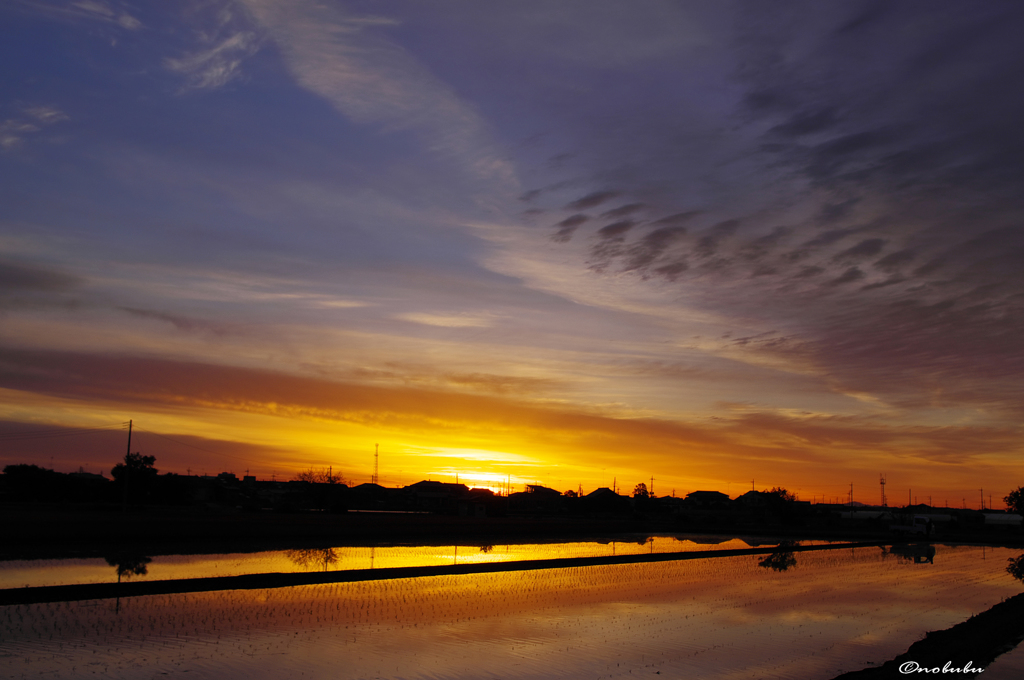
(193,446)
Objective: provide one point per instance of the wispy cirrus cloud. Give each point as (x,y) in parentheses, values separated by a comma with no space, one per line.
(348,59)
(217,65)
(456,320)
(92,10)
(28,121)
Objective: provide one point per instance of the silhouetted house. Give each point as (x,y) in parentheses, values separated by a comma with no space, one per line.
(605,500)
(369,497)
(667,504)
(481,503)
(757,500)
(435,496)
(1000,518)
(708,499)
(536,499)
(538,490)
(88,476)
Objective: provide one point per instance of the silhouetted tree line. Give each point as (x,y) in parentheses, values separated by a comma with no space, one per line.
(31,483)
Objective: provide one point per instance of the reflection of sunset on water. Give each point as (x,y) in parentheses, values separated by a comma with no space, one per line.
(708,618)
(21,573)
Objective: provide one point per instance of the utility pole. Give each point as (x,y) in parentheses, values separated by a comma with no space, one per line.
(124,498)
(651,492)
(981,492)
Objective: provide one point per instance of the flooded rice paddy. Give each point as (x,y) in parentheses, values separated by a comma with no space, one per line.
(789,615)
(53,572)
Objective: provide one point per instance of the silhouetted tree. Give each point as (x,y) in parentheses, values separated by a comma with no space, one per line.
(781,493)
(32,483)
(322,476)
(1015,500)
(135,466)
(570,494)
(640,491)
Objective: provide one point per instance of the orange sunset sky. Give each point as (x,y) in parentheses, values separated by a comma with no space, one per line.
(572,243)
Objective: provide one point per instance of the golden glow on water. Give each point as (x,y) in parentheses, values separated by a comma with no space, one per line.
(22,573)
(833,611)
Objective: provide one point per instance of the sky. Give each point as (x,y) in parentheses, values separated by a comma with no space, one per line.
(577,243)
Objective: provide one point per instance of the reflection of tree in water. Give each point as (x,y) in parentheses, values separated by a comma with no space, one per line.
(782,559)
(486,548)
(129,564)
(313,558)
(918,553)
(1015,568)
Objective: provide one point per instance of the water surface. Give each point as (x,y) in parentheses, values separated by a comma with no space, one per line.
(729,617)
(51,572)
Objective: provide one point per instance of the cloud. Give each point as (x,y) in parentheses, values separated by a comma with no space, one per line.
(98,450)
(888,161)
(568,226)
(349,60)
(33,119)
(678,218)
(182,323)
(501,384)
(592,200)
(647,250)
(91,10)
(866,248)
(16,277)
(894,261)
(457,320)
(615,230)
(218,65)
(786,444)
(622,211)
(807,122)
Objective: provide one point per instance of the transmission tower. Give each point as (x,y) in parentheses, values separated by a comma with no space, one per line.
(376,463)
(881,480)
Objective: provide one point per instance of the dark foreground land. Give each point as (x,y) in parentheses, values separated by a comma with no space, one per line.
(51,531)
(974,643)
